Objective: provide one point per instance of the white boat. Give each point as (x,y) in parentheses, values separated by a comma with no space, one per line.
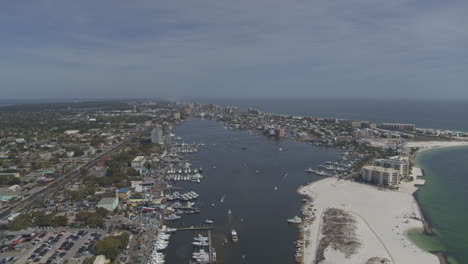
(200,243)
(201,238)
(229,212)
(295,220)
(309,170)
(234,236)
(208,221)
(170,230)
(172,217)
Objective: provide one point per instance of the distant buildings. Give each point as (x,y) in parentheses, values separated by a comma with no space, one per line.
(398,127)
(157,136)
(280,132)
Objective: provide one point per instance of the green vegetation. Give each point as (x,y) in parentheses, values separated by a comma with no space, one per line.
(91,218)
(37,219)
(75,196)
(9,180)
(89,260)
(112,246)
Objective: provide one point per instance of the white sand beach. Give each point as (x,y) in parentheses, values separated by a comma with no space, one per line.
(435,144)
(380,219)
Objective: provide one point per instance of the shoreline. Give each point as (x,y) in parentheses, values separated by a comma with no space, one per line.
(311,228)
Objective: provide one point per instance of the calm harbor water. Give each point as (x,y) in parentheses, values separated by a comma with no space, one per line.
(444,199)
(259,212)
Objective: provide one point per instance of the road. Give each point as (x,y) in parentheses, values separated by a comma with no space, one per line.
(66,178)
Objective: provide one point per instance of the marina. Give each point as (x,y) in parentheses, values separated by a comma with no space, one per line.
(242,182)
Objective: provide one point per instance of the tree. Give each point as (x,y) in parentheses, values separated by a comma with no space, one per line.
(112,246)
(89,260)
(59,220)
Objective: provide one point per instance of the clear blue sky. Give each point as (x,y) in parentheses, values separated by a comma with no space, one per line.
(274,48)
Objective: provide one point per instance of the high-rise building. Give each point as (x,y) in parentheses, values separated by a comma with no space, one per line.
(400,164)
(380,175)
(157,136)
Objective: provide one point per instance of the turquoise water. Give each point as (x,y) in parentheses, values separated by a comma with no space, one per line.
(444,199)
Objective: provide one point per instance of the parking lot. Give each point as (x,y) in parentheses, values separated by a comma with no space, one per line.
(53,247)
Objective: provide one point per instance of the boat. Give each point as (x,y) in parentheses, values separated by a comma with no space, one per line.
(229,212)
(200,243)
(208,221)
(295,220)
(201,238)
(172,217)
(234,236)
(170,230)
(309,170)
(276,188)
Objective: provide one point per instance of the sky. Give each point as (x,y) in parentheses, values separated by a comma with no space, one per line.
(243,48)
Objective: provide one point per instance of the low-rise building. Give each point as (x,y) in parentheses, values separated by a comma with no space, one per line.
(123,193)
(138,163)
(109,203)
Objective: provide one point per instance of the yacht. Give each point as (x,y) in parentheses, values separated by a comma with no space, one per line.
(200,243)
(234,236)
(295,220)
(172,217)
(208,221)
(200,238)
(310,170)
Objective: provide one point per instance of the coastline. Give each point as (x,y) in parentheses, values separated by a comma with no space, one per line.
(427,232)
(393,246)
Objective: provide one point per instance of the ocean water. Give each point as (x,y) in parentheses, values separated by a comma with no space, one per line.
(259,212)
(445,201)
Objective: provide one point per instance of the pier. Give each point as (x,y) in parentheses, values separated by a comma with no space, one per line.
(194,228)
(210,249)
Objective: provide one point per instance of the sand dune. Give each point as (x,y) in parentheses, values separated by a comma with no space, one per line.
(381,218)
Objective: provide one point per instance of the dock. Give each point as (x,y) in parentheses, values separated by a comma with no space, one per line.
(210,249)
(194,228)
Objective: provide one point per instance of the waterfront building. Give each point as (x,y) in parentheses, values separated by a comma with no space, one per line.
(380,175)
(176,116)
(109,203)
(280,132)
(157,136)
(399,164)
(398,127)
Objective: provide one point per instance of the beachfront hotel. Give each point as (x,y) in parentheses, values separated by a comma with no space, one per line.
(380,175)
(399,164)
